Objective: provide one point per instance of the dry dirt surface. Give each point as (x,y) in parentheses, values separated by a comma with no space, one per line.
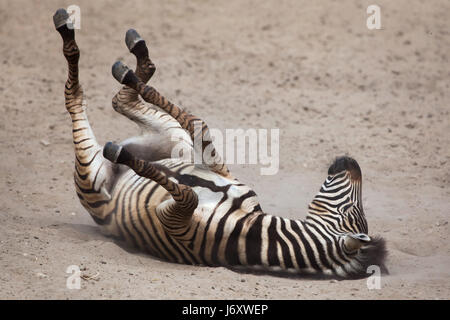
(310,68)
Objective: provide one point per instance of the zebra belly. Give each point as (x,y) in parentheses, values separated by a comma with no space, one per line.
(131,215)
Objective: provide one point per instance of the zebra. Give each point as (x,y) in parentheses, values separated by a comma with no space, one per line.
(199,214)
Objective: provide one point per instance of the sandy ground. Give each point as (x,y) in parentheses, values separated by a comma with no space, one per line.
(310,68)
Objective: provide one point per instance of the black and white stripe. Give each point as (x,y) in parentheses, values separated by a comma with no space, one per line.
(229,228)
(192,214)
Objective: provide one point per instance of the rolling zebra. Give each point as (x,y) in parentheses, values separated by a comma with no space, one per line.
(200,214)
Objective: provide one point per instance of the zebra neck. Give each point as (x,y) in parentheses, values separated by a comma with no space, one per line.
(294,245)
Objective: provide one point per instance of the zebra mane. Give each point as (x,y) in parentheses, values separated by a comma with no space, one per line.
(345,163)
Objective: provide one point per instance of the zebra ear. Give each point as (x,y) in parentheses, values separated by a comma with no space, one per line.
(354,241)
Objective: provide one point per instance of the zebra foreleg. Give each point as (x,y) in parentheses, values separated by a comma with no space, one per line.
(145,68)
(149,119)
(196,127)
(174,215)
(127,101)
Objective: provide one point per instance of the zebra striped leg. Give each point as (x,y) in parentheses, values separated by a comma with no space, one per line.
(127,101)
(196,127)
(150,120)
(174,215)
(91,169)
(85,144)
(137,46)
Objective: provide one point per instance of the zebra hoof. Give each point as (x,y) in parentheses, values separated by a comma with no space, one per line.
(112,151)
(136,44)
(63,25)
(119,71)
(123,74)
(132,38)
(61,18)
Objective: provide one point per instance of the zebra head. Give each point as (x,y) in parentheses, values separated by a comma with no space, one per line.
(338,204)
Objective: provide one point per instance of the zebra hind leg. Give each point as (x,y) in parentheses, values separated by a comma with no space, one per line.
(94,175)
(174,215)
